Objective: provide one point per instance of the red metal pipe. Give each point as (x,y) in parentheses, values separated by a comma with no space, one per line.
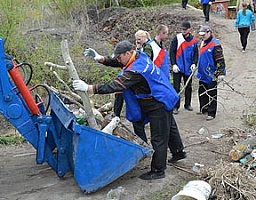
(24,90)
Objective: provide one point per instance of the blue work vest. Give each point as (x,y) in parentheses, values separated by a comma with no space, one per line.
(160,87)
(204,1)
(160,57)
(206,66)
(185,54)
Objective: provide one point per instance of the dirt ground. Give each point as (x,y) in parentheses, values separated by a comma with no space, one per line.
(21,178)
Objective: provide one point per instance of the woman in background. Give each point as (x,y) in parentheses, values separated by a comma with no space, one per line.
(239,4)
(141,38)
(243,21)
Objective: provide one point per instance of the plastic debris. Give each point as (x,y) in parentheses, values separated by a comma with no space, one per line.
(115,194)
(197,166)
(217,135)
(203,131)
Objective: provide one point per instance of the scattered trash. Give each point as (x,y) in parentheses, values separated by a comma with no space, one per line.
(253,153)
(242,148)
(115,194)
(248,160)
(203,131)
(194,190)
(196,167)
(217,135)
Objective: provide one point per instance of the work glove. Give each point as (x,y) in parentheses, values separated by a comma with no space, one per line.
(193,67)
(210,3)
(91,52)
(80,85)
(221,78)
(175,68)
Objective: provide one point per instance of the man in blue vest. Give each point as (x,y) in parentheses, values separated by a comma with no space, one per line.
(184,58)
(211,70)
(156,51)
(206,4)
(149,96)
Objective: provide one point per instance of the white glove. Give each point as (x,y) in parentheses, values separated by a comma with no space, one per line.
(80,85)
(210,3)
(91,52)
(193,67)
(221,78)
(175,68)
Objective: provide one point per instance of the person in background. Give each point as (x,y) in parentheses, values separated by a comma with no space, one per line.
(244,18)
(157,53)
(155,49)
(184,4)
(206,4)
(149,95)
(184,57)
(239,5)
(211,70)
(141,37)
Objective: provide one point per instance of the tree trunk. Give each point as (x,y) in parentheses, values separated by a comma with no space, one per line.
(73,74)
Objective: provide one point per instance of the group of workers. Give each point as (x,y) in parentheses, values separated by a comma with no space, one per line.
(144,84)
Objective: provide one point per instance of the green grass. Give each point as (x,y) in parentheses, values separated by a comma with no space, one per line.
(11,139)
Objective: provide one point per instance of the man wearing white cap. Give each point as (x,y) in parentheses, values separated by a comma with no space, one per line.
(211,70)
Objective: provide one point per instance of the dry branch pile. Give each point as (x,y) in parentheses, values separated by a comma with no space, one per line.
(231,181)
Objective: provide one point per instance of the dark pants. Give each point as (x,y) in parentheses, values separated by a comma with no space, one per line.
(118,104)
(208,98)
(184,3)
(188,91)
(139,129)
(174,143)
(244,33)
(206,11)
(137,126)
(164,134)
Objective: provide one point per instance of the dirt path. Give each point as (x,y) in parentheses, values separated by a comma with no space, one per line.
(21,178)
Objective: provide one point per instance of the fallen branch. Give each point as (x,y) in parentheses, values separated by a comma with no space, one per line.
(183,169)
(89,116)
(189,78)
(218,152)
(197,143)
(52,65)
(63,82)
(61,94)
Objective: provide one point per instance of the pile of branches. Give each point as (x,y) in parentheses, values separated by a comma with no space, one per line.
(230,181)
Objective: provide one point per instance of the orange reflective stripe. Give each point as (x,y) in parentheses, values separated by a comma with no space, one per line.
(129,64)
(208,46)
(183,46)
(159,60)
